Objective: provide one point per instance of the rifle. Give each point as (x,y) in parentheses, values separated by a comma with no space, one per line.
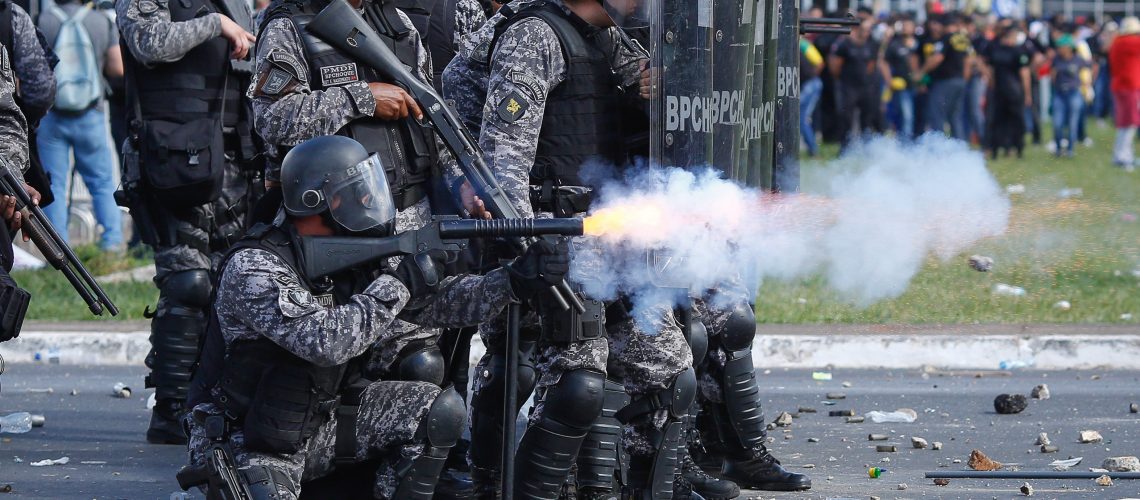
(343,27)
(220,474)
(327,255)
(51,245)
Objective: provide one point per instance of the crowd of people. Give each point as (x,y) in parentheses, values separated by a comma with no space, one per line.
(977,78)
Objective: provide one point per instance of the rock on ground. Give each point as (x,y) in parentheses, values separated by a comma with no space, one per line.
(1008,404)
(1040,392)
(979,461)
(1027,489)
(1122,464)
(1090,437)
(1043,439)
(919,443)
(1104,480)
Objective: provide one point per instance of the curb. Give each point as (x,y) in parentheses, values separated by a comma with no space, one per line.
(1115,348)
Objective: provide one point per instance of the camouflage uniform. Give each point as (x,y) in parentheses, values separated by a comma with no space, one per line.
(260,296)
(526,65)
(297,113)
(13,127)
(33,69)
(188,243)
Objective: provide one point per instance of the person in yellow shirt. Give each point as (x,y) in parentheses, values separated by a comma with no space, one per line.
(811,88)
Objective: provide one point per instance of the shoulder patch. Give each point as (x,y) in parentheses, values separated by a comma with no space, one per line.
(148,7)
(339,74)
(284,61)
(482,52)
(275,81)
(513,107)
(528,83)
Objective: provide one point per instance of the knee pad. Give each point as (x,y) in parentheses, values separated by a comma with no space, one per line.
(576,400)
(422,364)
(677,398)
(492,387)
(190,289)
(445,420)
(740,328)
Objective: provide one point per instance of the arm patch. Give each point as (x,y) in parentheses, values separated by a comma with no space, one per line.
(529,83)
(513,107)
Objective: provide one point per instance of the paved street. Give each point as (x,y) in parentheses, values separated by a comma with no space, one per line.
(103,436)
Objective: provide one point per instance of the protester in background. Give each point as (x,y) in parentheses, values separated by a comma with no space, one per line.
(1102,100)
(948,65)
(902,60)
(852,64)
(811,64)
(88,43)
(1009,92)
(1067,98)
(974,114)
(1124,58)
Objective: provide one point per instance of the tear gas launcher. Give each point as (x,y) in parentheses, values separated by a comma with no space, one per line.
(343,27)
(39,229)
(326,255)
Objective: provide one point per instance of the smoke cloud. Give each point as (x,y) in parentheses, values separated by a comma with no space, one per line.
(866,222)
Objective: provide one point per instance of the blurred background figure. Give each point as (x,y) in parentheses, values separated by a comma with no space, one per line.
(811,88)
(1067,98)
(1124,59)
(87,43)
(1009,91)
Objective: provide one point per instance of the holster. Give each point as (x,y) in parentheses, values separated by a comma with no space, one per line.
(568,326)
(562,201)
(13,306)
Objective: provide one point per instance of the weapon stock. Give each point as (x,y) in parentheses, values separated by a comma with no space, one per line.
(54,249)
(329,255)
(344,28)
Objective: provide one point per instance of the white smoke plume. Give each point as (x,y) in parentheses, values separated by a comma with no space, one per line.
(866,222)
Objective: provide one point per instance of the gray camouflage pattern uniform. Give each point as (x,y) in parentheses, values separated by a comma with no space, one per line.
(13,126)
(298,113)
(528,62)
(714,309)
(260,296)
(146,29)
(35,75)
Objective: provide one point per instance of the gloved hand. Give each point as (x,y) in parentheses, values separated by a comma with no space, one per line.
(542,265)
(422,273)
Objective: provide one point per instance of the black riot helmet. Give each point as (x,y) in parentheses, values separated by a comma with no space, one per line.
(335,176)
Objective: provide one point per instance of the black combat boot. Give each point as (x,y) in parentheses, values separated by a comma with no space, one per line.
(761,471)
(166,423)
(701,482)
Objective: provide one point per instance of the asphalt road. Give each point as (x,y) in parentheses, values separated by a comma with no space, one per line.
(103,435)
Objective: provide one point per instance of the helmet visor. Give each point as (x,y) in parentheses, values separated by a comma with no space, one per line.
(359,198)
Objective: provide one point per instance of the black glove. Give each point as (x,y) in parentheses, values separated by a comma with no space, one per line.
(543,265)
(422,273)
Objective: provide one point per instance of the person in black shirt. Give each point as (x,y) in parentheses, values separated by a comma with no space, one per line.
(947,64)
(852,64)
(902,61)
(1009,92)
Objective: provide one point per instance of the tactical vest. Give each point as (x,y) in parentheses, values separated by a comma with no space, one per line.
(199,85)
(277,398)
(406,148)
(581,123)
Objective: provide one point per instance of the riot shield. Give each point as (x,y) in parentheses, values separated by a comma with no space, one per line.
(786,175)
(705,62)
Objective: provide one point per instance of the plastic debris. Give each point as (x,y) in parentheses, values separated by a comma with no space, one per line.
(886,448)
(1090,437)
(899,416)
(1015,188)
(821,376)
(16,423)
(854,420)
(47,462)
(1040,392)
(1050,448)
(120,390)
(1009,404)
(45,390)
(937,445)
(1067,193)
(1126,317)
(1027,489)
(1122,464)
(1005,290)
(902,486)
(981,263)
(1013,364)
(875,472)
(877,437)
(1066,464)
(1062,305)
(1104,480)
(979,461)
(151,402)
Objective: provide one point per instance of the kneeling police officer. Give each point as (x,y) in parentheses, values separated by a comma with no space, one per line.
(293,401)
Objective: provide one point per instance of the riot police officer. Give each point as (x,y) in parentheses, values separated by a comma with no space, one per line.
(183,179)
(295,392)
